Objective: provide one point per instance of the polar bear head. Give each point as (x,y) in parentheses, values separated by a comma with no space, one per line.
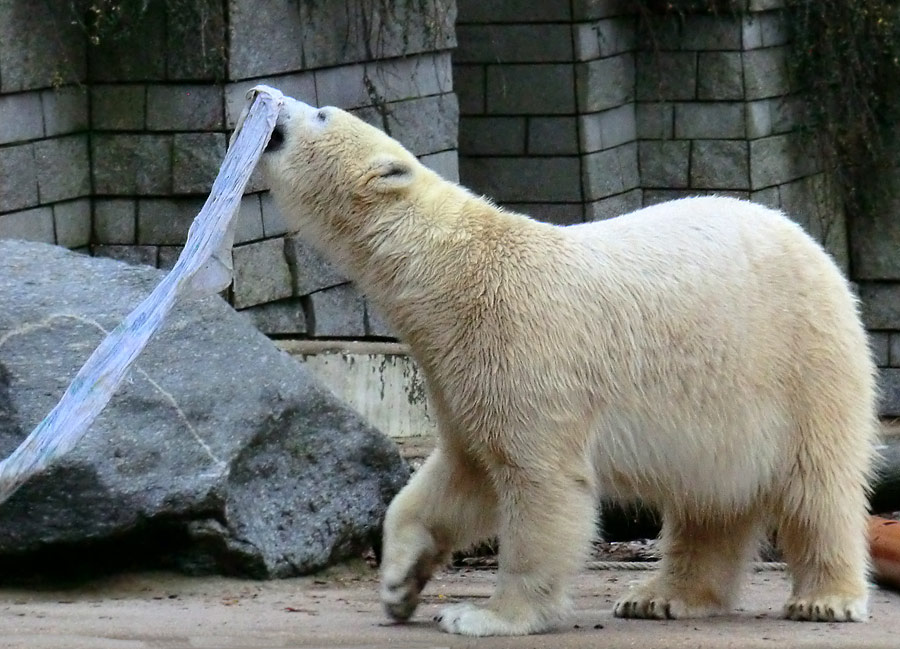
(337,180)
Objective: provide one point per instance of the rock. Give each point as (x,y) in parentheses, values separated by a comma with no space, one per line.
(219,449)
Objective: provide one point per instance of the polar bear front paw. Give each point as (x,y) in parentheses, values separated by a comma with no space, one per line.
(401,597)
(468,619)
(830,608)
(641,604)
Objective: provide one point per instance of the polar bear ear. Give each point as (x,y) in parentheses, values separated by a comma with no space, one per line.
(388,173)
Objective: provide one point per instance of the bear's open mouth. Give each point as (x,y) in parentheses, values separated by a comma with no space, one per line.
(277,139)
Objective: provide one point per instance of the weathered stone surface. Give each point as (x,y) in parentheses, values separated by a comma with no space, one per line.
(164,221)
(720,75)
(196,107)
(893,347)
(766,72)
(875,236)
(604,38)
(655,120)
(764,30)
(477,11)
(533,179)
(592,9)
(120,107)
(72,221)
(720,164)
(359,30)
(664,163)
(218,440)
(261,273)
(552,135)
(880,344)
(443,163)
(20,117)
(284,317)
(115,220)
(249,225)
(196,158)
(559,213)
(376,325)
(126,164)
(603,83)
(18,177)
(512,89)
(63,168)
(518,43)
(610,172)
(300,86)
(424,125)
(664,76)
(195,40)
(608,129)
(65,110)
(310,271)
(781,158)
(408,77)
(338,312)
(40,46)
(263,42)
(168,257)
(485,135)
(815,204)
(274,222)
(607,208)
(889,386)
(30,225)
(709,120)
(711,32)
(468,82)
(128,58)
(134,255)
(305,35)
(880,304)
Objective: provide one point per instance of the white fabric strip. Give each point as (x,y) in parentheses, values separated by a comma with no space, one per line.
(203,268)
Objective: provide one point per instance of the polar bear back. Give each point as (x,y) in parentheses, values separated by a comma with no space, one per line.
(712,328)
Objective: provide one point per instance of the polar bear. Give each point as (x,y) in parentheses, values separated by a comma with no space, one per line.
(703,356)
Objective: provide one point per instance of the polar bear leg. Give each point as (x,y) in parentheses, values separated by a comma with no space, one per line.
(448,504)
(700,570)
(822,535)
(546,522)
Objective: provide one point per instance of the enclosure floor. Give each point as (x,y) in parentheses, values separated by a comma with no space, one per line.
(341,609)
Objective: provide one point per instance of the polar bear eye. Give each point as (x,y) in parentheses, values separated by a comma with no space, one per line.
(321,116)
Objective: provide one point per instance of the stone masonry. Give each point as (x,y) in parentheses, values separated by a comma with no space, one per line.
(579,111)
(113,147)
(568,111)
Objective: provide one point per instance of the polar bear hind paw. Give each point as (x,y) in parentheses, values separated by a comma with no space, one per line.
(829,608)
(469,619)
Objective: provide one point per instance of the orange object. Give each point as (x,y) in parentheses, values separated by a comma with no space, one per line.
(884,540)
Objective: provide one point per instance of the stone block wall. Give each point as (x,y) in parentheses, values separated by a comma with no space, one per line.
(44,144)
(113,146)
(584,110)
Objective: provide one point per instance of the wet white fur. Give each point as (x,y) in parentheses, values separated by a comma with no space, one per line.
(704,356)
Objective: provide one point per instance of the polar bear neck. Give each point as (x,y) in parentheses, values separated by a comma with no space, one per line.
(438,257)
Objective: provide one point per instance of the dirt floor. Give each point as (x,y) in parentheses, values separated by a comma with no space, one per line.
(341,609)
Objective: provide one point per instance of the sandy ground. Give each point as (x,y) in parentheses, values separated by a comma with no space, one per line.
(341,609)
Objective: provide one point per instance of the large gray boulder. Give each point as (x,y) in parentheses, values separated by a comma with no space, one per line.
(218,447)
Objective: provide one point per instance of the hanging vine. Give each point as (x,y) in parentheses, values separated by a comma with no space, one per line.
(846,61)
